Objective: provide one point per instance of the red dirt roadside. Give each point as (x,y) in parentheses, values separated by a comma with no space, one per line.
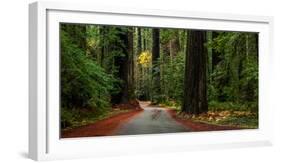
(199,126)
(104,127)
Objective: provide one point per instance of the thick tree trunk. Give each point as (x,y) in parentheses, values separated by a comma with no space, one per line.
(155,65)
(123,64)
(195,90)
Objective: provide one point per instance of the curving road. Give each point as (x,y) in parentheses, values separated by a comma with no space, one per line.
(152,120)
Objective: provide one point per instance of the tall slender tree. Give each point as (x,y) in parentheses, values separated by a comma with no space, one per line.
(257,46)
(131,64)
(155,65)
(195,92)
(103,43)
(209,57)
(139,43)
(215,54)
(174,44)
(124,64)
(139,69)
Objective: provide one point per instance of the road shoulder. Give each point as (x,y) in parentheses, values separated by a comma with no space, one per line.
(199,126)
(105,127)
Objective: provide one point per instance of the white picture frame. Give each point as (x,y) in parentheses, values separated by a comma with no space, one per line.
(44,140)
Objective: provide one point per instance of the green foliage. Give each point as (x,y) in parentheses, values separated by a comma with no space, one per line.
(170,66)
(235,77)
(78,117)
(86,87)
(249,121)
(172,79)
(231,106)
(84,83)
(89,75)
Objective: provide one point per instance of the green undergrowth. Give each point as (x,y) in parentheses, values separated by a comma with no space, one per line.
(230,106)
(227,114)
(237,119)
(250,122)
(240,115)
(170,104)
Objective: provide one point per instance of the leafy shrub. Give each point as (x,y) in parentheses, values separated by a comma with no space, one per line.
(83,82)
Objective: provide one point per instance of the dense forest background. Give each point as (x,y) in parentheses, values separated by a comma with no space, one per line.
(193,71)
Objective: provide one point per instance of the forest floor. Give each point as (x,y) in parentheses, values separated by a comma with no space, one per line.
(104,127)
(217,119)
(197,125)
(148,119)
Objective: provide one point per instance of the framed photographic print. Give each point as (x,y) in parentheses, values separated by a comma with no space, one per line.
(108,80)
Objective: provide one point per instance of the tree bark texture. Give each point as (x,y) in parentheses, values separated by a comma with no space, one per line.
(195,90)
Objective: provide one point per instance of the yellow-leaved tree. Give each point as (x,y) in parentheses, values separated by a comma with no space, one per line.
(144,58)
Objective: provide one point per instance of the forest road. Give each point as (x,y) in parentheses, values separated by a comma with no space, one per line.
(152,120)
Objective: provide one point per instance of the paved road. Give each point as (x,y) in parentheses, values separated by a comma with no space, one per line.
(152,120)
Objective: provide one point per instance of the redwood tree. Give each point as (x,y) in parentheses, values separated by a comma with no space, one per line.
(124,64)
(195,90)
(155,65)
